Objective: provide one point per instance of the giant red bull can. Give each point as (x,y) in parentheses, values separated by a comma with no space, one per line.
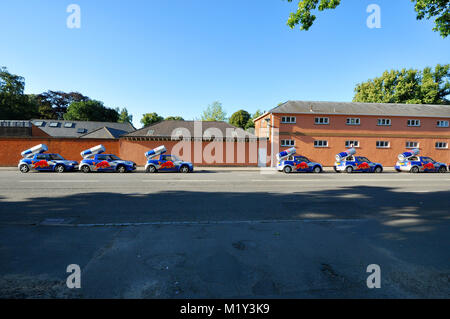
(343,155)
(286,153)
(155,152)
(41,148)
(403,157)
(93,151)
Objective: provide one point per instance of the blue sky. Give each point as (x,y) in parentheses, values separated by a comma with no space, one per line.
(175,57)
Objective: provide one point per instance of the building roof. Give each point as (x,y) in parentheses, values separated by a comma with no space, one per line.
(75,129)
(168,129)
(356,108)
(105,133)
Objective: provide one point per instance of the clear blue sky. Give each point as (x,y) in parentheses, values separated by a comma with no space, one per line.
(175,57)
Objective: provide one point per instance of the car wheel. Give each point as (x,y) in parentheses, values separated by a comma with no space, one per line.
(184,169)
(378,169)
(317,170)
(24,168)
(151,169)
(85,169)
(121,169)
(335,169)
(415,170)
(442,169)
(60,168)
(349,169)
(287,169)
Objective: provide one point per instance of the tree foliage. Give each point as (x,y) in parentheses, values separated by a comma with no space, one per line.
(91,110)
(174,118)
(151,118)
(214,112)
(54,104)
(124,116)
(426,9)
(240,119)
(407,86)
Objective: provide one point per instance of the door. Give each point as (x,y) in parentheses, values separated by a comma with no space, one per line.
(262,157)
(168,164)
(41,163)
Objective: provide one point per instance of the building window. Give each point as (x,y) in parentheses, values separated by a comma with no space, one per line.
(384,122)
(350,144)
(413,122)
(441,145)
(442,123)
(322,120)
(287,143)
(383,144)
(353,121)
(39,123)
(69,125)
(288,119)
(412,144)
(53,124)
(320,143)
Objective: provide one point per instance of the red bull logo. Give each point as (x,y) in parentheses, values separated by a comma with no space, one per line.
(302,165)
(102,164)
(167,164)
(428,166)
(41,164)
(363,166)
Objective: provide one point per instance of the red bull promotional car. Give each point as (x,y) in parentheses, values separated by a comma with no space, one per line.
(411,162)
(165,163)
(297,163)
(36,159)
(95,161)
(349,163)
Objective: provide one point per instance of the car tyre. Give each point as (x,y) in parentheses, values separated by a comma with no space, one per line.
(85,169)
(151,169)
(121,169)
(184,169)
(60,168)
(24,168)
(349,169)
(287,169)
(378,169)
(414,170)
(442,169)
(317,170)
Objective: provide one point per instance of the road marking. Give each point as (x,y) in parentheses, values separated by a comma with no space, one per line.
(181,180)
(60,181)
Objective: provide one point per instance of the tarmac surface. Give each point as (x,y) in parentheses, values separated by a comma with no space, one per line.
(229,233)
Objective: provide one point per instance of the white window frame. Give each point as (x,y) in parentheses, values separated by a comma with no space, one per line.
(288,120)
(384,122)
(413,123)
(354,142)
(383,144)
(355,120)
(442,123)
(322,121)
(320,143)
(412,144)
(287,143)
(441,145)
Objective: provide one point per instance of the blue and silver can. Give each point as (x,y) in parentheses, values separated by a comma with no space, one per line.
(286,153)
(93,151)
(406,155)
(41,148)
(155,152)
(348,152)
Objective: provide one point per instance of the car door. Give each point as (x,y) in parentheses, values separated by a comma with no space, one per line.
(167,164)
(301,164)
(103,163)
(428,165)
(40,162)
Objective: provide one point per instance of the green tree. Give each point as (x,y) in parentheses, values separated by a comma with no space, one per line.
(174,118)
(214,112)
(251,122)
(407,86)
(151,118)
(54,104)
(14,104)
(428,9)
(240,119)
(124,116)
(91,110)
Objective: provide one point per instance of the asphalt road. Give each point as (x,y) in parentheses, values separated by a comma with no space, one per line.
(224,234)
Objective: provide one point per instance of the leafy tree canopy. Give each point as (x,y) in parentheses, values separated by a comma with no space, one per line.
(151,118)
(426,9)
(407,86)
(174,118)
(214,112)
(240,119)
(124,116)
(53,104)
(91,110)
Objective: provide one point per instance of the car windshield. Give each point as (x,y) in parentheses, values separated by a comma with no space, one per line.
(427,159)
(56,157)
(302,159)
(114,158)
(364,159)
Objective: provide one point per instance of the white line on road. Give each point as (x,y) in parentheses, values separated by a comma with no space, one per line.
(60,181)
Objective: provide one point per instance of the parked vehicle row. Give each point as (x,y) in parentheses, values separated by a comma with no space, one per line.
(95,160)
